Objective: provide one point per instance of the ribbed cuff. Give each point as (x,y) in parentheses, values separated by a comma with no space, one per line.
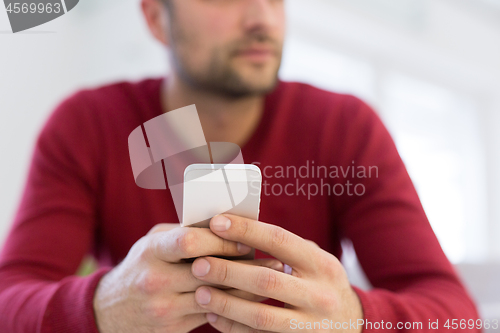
(369,312)
(71,308)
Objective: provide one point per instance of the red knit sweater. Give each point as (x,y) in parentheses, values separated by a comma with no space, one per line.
(81,197)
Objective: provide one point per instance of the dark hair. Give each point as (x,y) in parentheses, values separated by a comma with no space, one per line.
(167,3)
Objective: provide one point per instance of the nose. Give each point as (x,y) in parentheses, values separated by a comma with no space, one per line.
(263,15)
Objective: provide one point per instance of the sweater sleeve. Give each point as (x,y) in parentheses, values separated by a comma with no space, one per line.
(413,280)
(53,229)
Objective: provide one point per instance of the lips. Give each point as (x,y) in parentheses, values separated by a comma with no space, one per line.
(256,54)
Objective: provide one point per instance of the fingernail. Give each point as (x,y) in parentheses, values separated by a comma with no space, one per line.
(277,266)
(220,223)
(201,267)
(203,296)
(287,269)
(212,317)
(243,248)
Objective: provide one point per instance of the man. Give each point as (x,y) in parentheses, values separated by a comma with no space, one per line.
(81,196)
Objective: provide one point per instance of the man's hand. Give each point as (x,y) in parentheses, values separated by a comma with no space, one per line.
(152,289)
(316,289)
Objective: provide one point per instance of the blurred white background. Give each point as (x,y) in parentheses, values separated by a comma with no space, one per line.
(431,68)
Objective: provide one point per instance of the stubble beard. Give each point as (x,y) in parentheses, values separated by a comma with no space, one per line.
(219,77)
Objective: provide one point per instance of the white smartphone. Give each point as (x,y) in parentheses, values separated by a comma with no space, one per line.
(211,189)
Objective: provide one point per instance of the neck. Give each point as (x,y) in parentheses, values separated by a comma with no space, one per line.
(223,119)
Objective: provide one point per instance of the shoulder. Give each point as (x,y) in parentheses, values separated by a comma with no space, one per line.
(310,102)
(87,116)
(109,96)
(333,121)
(102,104)
(121,89)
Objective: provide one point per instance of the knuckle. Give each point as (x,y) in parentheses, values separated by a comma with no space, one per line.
(325,300)
(223,246)
(225,306)
(279,237)
(222,273)
(151,282)
(232,327)
(158,311)
(244,225)
(263,319)
(187,243)
(267,280)
(327,264)
(312,243)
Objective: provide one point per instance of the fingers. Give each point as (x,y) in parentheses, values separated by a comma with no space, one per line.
(278,242)
(266,262)
(180,278)
(253,279)
(246,295)
(190,322)
(311,242)
(185,304)
(255,315)
(186,300)
(225,325)
(182,243)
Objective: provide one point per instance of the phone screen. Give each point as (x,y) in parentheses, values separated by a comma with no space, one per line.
(212,189)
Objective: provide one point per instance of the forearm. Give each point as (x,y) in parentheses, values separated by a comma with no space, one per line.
(31,304)
(413,309)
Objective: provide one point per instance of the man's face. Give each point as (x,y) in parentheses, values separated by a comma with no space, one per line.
(230,47)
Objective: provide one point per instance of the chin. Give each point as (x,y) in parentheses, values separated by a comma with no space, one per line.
(259,81)
(259,86)
(267,87)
